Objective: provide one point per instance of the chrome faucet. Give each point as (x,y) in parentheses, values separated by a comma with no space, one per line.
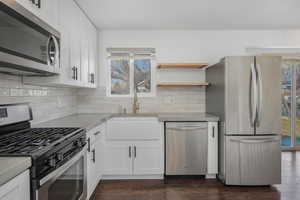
(136,105)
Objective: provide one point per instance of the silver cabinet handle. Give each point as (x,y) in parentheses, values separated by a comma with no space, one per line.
(129,151)
(74,73)
(97,133)
(94,155)
(183,128)
(213,131)
(135,151)
(89,144)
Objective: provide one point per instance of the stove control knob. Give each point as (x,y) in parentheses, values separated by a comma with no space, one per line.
(60,156)
(78,143)
(52,162)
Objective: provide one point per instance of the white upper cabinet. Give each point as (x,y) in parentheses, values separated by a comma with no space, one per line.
(93,49)
(84,42)
(47,10)
(75,38)
(78,46)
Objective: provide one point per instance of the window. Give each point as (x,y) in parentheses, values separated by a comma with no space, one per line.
(131,70)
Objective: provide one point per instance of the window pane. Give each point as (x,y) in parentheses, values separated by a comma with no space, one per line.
(142,75)
(120,76)
(286,104)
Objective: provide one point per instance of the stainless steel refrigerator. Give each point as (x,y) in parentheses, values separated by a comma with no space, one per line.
(245,93)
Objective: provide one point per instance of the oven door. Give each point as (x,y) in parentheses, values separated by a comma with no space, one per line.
(69,182)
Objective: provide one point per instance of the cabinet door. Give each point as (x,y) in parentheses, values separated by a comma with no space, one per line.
(148,158)
(212,152)
(17,188)
(99,146)
(118,159)
(75,40)
(92,54)
(84,50)
(29,6)
(65,43)
(91,171)
(49,12)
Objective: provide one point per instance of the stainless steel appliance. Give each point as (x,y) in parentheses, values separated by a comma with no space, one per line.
(28,46)
(245,94)
(59,155)
(186,148)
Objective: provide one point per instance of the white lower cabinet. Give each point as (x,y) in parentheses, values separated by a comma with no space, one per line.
(17,188)
(95,158)
(134,148)
(138,158)
(148,158)
(92,179)
(118,158)
(212,151)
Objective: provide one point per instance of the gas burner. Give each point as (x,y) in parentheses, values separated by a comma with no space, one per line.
(33,139)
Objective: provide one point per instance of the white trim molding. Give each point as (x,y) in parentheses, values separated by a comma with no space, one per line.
(282,51)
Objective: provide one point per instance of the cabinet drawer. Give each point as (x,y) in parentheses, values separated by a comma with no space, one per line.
(134,129)
(95,134)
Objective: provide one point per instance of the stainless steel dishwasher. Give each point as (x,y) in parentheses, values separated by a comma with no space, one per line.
(186,148)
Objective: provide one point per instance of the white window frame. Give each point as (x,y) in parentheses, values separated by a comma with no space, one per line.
(132,57)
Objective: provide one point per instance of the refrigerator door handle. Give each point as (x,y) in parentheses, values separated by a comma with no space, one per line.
(253,83)
(254,141)
(260,96)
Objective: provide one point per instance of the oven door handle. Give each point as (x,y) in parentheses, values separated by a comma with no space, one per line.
(59,171)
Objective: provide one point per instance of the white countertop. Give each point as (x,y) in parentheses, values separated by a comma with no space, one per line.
(10,167)
(89,121)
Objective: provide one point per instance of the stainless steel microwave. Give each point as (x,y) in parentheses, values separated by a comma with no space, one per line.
(28,45)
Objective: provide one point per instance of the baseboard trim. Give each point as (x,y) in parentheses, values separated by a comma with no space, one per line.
(210,176)
(132,177)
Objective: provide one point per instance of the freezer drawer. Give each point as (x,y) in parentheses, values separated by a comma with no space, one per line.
(253,160)
(186,148)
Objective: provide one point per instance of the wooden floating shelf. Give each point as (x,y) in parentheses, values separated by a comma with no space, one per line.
(182,65)
(182,84)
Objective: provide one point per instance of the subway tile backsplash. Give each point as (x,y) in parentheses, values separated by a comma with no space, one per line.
(47,102)
(167,99)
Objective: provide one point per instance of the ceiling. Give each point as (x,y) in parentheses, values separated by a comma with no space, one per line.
(193,14)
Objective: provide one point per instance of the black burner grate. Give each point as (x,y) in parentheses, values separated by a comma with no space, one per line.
(32,140)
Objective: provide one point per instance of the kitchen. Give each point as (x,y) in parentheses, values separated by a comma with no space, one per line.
(127,88)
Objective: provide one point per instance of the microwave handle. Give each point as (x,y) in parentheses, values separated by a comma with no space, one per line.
(56,56)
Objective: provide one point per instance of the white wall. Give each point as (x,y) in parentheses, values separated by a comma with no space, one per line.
(178,46)
(193,46)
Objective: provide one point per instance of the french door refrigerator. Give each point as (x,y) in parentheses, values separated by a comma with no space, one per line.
(245,94)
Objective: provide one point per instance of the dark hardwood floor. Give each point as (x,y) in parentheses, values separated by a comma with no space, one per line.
(199,189)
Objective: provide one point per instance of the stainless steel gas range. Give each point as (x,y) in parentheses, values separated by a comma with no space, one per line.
(58,155)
